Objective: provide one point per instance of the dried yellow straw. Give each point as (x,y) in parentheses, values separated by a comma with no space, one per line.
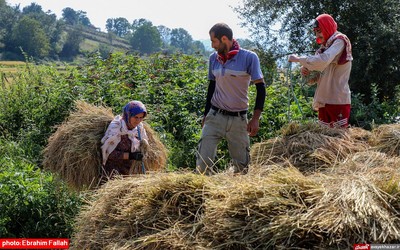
(74,150)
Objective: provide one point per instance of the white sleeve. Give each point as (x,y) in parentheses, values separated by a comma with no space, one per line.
(321,61)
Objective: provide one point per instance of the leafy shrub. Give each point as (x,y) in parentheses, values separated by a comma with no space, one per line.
(376,112)
(37,99)
(32,203)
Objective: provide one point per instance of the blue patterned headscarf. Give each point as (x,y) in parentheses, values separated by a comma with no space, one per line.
(133,108)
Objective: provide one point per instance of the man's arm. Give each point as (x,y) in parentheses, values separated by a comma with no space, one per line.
(260,97)
(253,125)
(210,92)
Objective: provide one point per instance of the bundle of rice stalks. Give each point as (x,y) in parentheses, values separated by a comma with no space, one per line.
(294,128)
(239,213)
(386,138)
(351,210)
(141,211)
(309,147)
(271,151)
(177,238)
(365,162)
(155,158)
(74,150)
(360,134)
(378,168)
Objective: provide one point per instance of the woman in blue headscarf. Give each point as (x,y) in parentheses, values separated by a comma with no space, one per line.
(123,141)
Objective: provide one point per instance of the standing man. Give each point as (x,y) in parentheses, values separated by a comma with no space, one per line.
(231,70)
(332,62)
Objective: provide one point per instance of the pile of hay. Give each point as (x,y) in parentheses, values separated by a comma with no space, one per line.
(309,147)
(74,150)
(266,209)
(386,138)
(142,212)
(277,205)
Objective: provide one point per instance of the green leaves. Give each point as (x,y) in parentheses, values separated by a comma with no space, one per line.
(37,100)
(32,203)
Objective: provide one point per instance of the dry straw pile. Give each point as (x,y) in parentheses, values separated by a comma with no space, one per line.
(277,205)
(74,153)
(387,139)
(310,147)
(142,211)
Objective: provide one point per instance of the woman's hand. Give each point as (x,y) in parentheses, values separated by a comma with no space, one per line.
(293,58)
(144,146)
(304,71)
(137,156)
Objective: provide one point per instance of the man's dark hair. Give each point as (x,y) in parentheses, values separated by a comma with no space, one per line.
(220,30)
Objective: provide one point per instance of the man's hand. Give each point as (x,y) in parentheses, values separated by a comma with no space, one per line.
(253,126)
(202,121)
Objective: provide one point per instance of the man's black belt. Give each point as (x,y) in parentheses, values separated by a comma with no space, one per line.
(230,113)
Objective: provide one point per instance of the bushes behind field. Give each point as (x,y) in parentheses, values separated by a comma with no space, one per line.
(32,203)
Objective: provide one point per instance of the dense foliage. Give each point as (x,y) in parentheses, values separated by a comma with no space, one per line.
(32,202)
(32,102)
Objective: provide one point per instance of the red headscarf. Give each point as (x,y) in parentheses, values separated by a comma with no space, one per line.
(327,25)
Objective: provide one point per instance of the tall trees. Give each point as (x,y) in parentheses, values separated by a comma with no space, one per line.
(146,37)
(38,33)
(33,8)
(62,37)
(71,45)
(51,26)
(7,19)
(165,34)
(29,35)
(181,39)
(198,47)
(373,26)
(72,17)
(119,26)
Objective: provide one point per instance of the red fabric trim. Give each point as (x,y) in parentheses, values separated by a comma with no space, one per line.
(343,57)
(346,54)
(232,52)
(332,113)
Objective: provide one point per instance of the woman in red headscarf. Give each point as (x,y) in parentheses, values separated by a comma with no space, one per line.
(331,66)
(123,141)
